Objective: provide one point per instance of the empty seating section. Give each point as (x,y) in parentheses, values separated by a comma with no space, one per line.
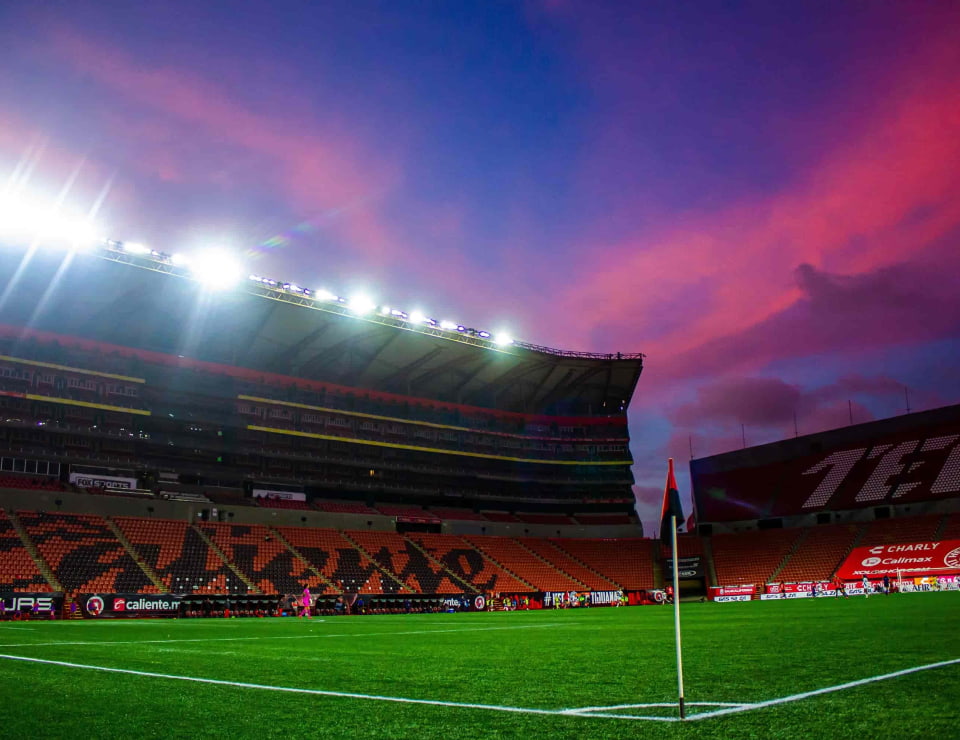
(500,516)
(349,570)
(626,562)
(401,557)
(257,553)
(18,571)
(345,507)
(819,553)
(688,545)
(901,531)
(84,553)
(750,557)
(282,503)
(179,556)
(567,564)
(517,559)
(30,484)
(545,519)
(467,563)
(602,519)
(410,511)
(457,514)
(951,528)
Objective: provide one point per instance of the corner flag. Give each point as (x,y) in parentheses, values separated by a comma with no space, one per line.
(671,506)
(670,518)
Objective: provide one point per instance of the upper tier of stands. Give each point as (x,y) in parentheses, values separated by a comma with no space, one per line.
(56,358)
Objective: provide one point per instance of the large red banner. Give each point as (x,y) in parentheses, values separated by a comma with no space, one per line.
(914,559)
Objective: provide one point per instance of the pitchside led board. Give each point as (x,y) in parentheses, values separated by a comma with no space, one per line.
(915,559)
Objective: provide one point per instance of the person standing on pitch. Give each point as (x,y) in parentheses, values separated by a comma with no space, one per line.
(867,587)
(306,603)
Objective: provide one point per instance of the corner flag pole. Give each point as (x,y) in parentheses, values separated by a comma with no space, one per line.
(676,614)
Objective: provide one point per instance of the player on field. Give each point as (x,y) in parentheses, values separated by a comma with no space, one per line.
(867,587)
(306,603)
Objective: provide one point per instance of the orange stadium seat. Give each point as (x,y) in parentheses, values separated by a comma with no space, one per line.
(18,571)
(468,563)
(626,562)
(84,554)
(750,557)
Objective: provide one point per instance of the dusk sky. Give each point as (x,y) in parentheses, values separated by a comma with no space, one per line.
(762,197)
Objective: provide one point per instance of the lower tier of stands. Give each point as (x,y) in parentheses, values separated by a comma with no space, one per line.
(78,553)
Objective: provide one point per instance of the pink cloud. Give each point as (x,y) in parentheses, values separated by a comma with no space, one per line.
(883,195)
(185,123)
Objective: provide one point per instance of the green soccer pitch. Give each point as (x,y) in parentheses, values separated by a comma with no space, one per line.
(888,666)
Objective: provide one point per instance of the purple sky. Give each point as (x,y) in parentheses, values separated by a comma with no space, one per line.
(765,200)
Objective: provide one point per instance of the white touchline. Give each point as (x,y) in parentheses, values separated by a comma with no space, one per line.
(321,635)
(827,690)
(320,692)
(649,705)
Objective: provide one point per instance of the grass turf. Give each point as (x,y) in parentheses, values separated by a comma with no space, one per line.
(741,653)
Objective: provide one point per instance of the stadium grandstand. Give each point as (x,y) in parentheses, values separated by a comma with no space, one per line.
(795,511)
(158,436)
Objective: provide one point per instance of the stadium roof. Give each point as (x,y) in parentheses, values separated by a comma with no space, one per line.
(140,301)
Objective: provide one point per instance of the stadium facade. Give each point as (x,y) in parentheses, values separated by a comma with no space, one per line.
(265,437)
(156,438)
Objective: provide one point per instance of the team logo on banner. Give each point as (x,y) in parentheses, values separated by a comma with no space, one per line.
(870,562)
(95,606)
(952,558)
(480,603)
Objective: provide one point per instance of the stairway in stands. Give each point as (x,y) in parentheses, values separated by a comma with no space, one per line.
(31,548)
(122,538)
(251,586)
(328,586)
(566,564)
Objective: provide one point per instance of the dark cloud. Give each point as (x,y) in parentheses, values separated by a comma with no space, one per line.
(751,401)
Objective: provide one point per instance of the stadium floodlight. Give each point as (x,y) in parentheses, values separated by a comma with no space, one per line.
(417,317)
(180,260)
(216,270)
(135,248)
(385,310)
(360,304)
(44,223)
(448,325)
(483,334)
(324,295)
(502,339)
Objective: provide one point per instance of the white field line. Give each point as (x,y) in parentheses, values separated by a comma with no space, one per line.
(583,712)
(275,637)
(11,627)
(649,705)
(317,692)
(827,690)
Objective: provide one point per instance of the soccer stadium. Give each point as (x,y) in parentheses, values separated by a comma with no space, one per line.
(459,505)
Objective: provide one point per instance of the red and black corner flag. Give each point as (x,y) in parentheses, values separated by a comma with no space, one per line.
(671,505)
